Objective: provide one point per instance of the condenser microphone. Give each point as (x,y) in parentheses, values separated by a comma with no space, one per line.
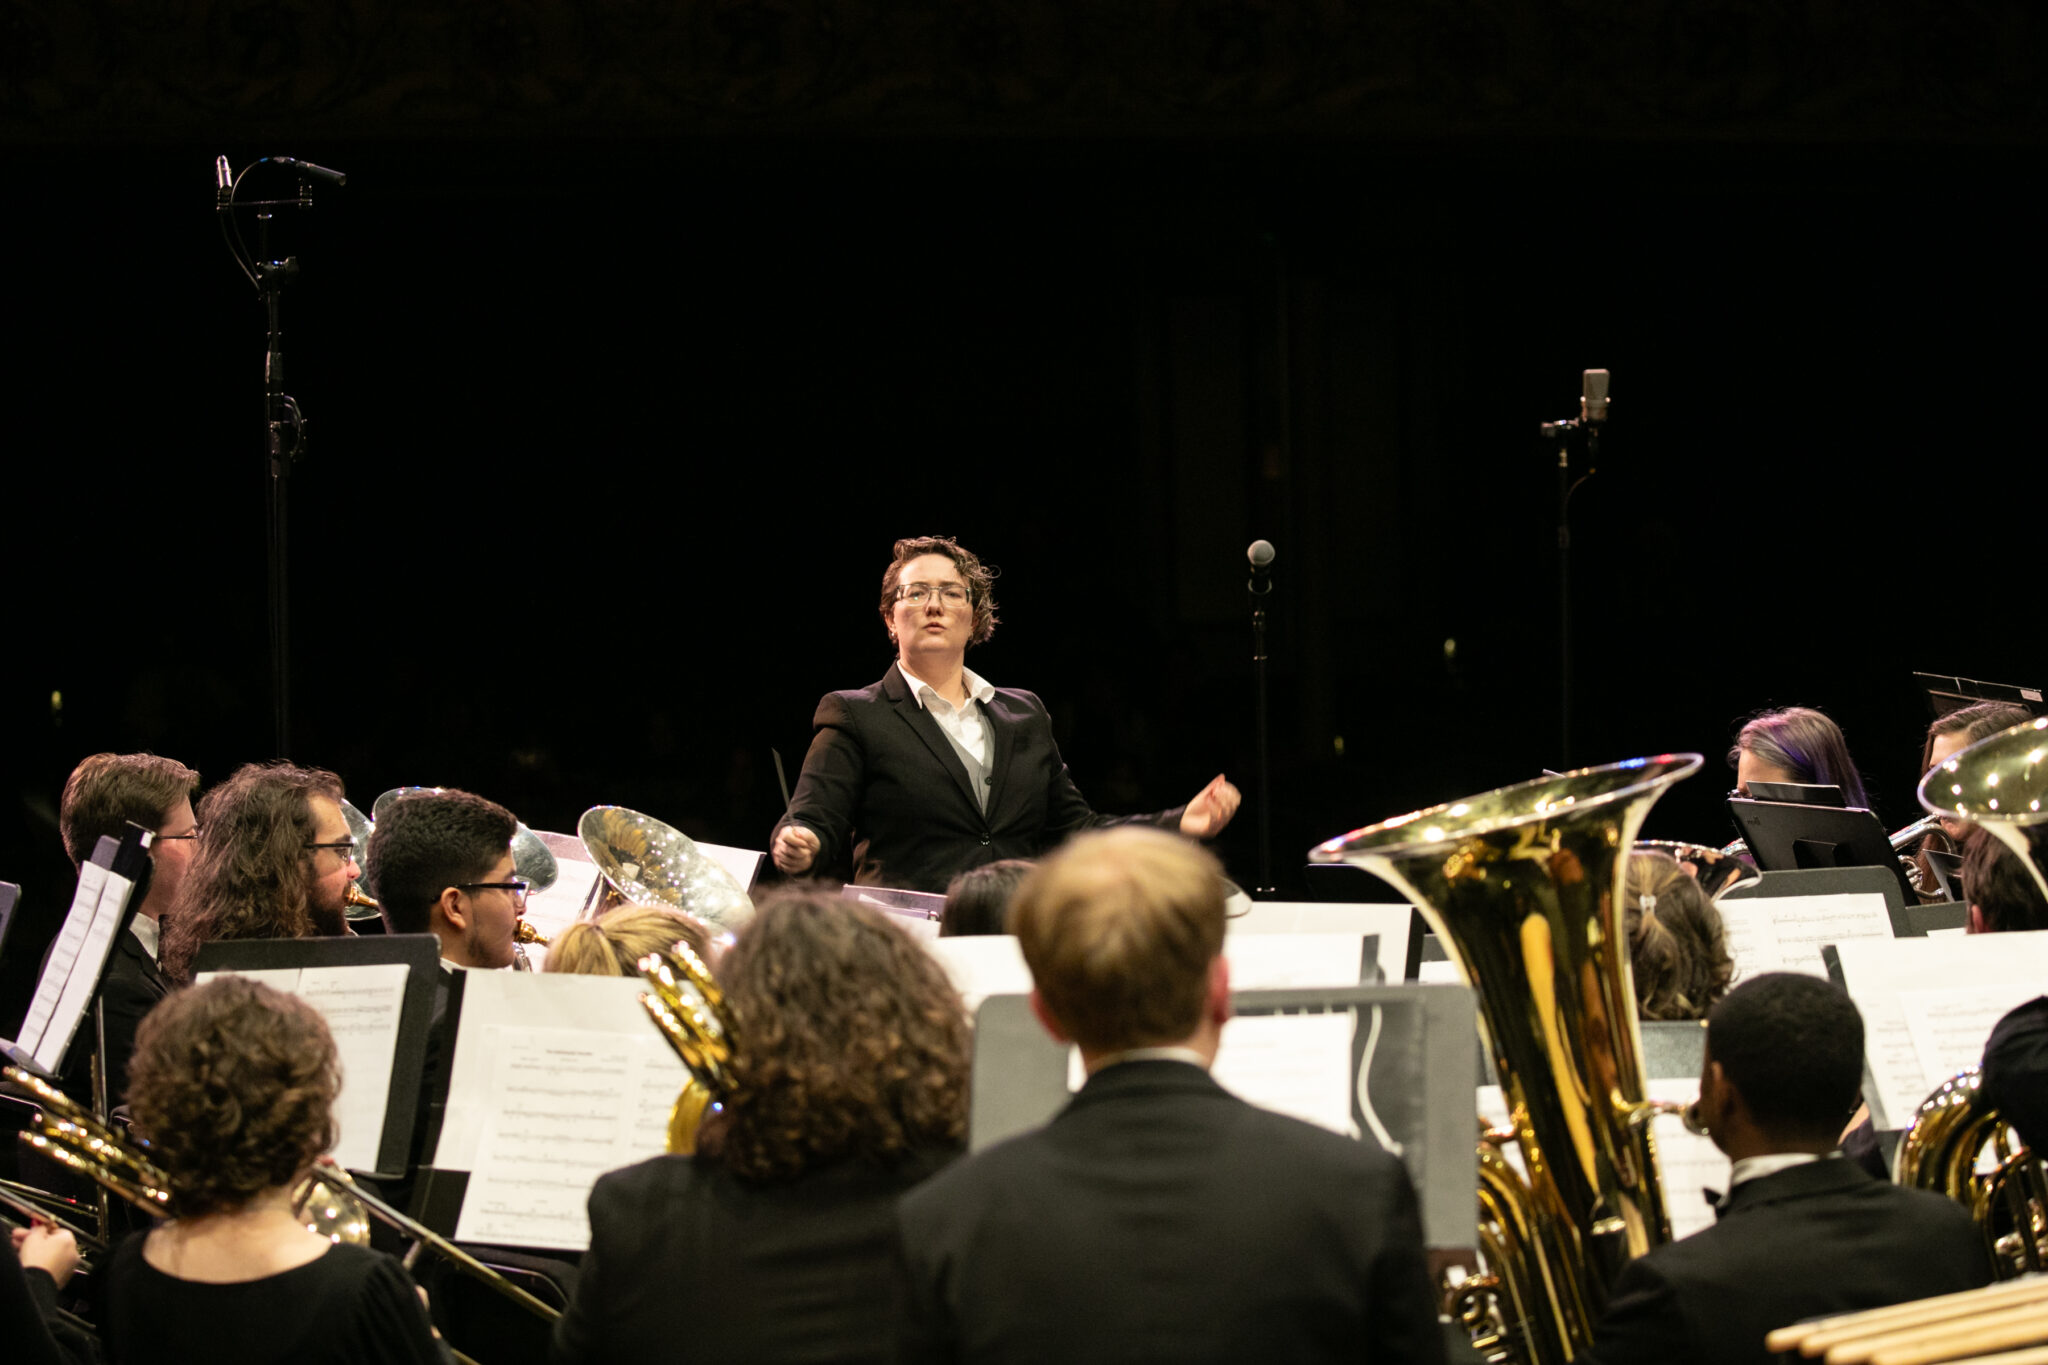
(1261,557)
(1593,396)
(335,178)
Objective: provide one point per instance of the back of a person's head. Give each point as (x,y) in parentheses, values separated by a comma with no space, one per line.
(1997,881)
(1977,721)
(1678,945)
(252,874)
(107,792)
(428,841)
(233,1084)
(1793,1045)
(614,944)
(1807,744)
(848,1041)
(978,900)
(1119,929)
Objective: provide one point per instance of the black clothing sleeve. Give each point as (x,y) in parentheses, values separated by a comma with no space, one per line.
(29,1322)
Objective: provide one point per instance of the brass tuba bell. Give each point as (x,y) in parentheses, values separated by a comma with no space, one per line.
(1524,886)
(640,859)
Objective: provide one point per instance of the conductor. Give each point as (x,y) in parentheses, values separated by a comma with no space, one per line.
(933,770)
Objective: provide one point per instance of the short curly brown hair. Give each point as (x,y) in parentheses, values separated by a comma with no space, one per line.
(848,1042)
(980,578)
(233,1085)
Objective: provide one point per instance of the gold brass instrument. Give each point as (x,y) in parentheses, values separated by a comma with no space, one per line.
(1941,1152)
(1715,869)
(2001,784)
(358,905)
(689,1009)
(526,933)
(1524,886)
(640,859)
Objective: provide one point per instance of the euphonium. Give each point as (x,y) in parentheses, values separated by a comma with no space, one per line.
(1524,885)
(2001,784)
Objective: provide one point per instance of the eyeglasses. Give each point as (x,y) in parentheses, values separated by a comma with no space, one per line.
(518,886)
(917,594)
(344,848)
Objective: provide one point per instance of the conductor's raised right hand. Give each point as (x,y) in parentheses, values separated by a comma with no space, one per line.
(795,849)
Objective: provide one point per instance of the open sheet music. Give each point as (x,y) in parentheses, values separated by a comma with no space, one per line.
(556,1080)
(1787,933)
(1929,1005)
(78,959)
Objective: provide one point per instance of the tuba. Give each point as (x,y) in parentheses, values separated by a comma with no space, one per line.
(689,1009)
(640,859)
(1523,885)
(1999,783)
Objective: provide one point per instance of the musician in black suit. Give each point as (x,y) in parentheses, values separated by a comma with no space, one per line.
(1802,1232)
(932,771)
(103,796)
(771,1243)
(1157,1217)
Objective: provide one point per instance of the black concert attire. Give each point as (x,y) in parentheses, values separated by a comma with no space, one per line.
(350,1305)
(893,803)
(29,1322)
(2016,1071)
(1807,1241)
(685,1254)
(1160,1218)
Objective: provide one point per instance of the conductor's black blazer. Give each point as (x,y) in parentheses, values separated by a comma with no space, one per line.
(1160,1218)
(892,804)
(1808,1241)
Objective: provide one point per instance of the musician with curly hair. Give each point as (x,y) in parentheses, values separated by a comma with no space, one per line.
(233,1085)
(771,1243)
(275,860)
(933,770)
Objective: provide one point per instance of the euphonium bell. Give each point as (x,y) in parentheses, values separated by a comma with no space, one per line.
(1524,886)
(689,1009)
(2000,783)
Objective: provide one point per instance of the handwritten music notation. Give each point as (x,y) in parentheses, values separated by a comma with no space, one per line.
(567,1105)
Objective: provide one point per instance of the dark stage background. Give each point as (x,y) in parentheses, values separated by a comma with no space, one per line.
(638,334)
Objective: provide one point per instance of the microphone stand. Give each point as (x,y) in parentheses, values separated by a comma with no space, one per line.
(1560,434)
(284,426)
(1260,587)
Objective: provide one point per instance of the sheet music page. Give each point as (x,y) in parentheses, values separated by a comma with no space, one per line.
(1786,933)
(1950,1027)
(1880,972)
(1689,1164)
(92,880)
(741,864)
(496,1005)
(84,972)
(1279,962)
(981,965)
(572,1104)
(1390,922)
(361,1006)
(1444,973)
(1297,1064)
(555,909)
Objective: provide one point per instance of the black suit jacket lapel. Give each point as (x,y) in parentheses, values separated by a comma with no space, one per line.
(144,963)
(927,729)
(1003,727)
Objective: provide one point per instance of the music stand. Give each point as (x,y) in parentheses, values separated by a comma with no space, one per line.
(1946,694)
(1786,836)
(1799,793)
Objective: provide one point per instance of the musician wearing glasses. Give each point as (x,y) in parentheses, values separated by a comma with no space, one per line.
(440,863)
(933,770)
(1802,1232)
(234,1087)
(275,860)
(103,796)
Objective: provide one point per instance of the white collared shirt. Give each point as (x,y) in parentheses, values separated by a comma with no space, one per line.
(1757,1167)
(1151,1054)
(147,932)
(966,724)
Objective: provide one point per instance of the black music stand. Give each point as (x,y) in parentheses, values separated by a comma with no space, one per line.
(1946,694)
(1788,836)
(420,952)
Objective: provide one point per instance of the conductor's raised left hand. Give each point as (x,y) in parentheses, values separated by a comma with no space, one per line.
(1211,809)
